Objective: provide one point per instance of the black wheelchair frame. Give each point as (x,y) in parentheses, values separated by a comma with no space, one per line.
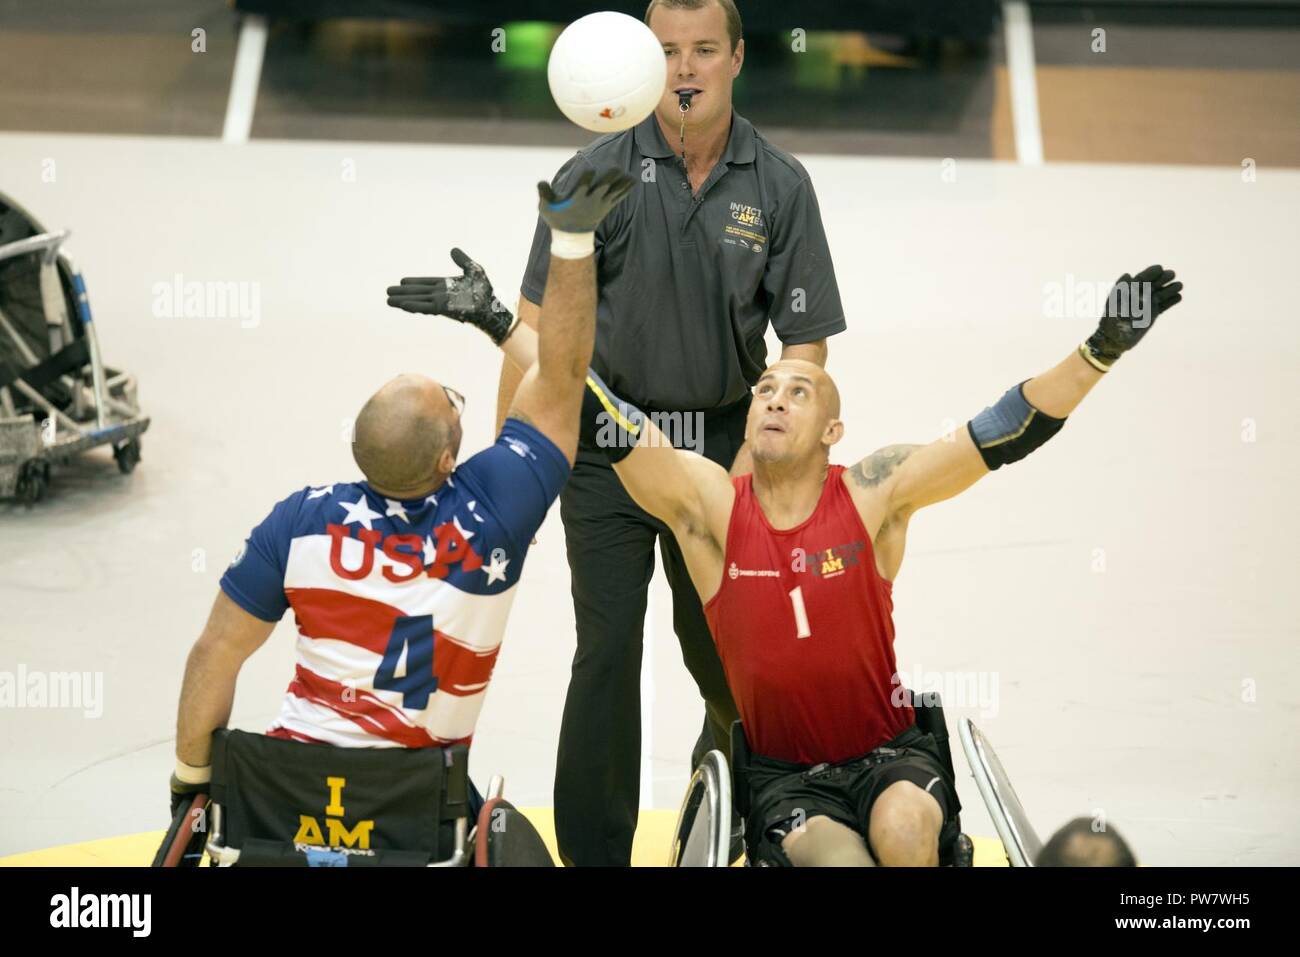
(930,719)
(272,802)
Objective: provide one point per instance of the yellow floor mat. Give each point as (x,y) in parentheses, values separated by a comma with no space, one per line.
(649,847)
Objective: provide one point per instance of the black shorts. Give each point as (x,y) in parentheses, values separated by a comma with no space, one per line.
(784,795)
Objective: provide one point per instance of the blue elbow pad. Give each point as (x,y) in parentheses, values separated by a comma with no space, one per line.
(1010,429)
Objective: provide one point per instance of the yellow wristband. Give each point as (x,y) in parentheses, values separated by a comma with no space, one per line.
(1091,359)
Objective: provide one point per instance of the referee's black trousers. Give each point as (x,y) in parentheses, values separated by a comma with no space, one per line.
(611,543)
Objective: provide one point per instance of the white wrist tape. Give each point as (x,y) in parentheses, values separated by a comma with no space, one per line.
(189,774)
(572,245)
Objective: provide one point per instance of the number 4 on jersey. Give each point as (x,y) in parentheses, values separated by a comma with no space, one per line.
(415,634)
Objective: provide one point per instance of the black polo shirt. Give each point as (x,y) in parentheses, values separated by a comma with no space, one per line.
(688,283)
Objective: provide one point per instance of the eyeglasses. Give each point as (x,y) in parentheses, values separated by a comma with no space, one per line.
(456,399)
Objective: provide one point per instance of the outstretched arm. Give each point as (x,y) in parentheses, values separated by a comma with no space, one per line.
(551,391)
(512,371)
(914,476)
(677,487)
(672,485)
(521,347)
(550,394)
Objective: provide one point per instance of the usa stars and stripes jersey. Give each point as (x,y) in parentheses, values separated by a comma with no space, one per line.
(400,605)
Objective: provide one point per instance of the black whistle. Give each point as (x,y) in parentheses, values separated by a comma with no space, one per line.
(684,100)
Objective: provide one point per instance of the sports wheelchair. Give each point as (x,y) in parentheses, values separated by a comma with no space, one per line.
(278,803)
(57,396)
(702,837)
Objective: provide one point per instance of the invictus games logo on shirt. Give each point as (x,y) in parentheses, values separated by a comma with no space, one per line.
(831,562)
(746,215)
(747,229)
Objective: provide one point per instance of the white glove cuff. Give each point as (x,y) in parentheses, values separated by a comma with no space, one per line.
(572,245)
(189,774)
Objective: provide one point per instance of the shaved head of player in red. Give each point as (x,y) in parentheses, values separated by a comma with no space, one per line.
(795,415)
(407,437)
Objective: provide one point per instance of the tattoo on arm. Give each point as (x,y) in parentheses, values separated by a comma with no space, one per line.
(515,413)
(879,465)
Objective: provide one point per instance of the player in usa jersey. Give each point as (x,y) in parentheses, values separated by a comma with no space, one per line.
(795,564)
(401,583)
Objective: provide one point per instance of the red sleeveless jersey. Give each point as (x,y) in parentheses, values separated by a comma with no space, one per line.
(803,624)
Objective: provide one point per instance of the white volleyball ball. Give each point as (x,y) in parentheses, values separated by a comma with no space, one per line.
(607,72)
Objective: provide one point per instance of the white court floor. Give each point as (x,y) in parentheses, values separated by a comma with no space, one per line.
(1126,599)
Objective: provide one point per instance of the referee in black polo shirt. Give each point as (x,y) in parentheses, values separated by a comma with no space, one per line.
(721,237)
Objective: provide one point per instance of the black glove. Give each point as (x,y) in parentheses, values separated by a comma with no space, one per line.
(1131,309)
(466,298)
(582,209)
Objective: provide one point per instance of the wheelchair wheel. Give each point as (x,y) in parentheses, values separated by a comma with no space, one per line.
(703,834)
(23,305)
(33,481)
(127,455)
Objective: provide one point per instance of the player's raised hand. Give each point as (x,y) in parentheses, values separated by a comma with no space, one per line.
(465,298)
(582,208)
(1132,307)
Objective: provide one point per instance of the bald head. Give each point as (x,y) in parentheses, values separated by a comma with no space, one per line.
(406,437)
(795,415)
(824,387)
(827,390)
(1078,845)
